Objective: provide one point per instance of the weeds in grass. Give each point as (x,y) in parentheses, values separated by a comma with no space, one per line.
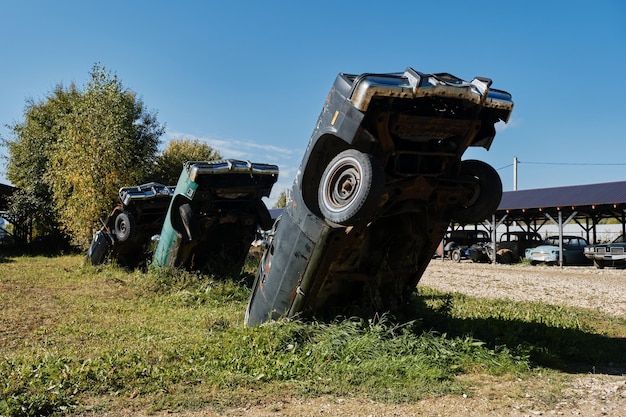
(349,357)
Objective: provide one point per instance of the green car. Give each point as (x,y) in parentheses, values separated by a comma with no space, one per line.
(214,215)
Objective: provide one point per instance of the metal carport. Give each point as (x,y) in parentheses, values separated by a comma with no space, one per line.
(586,205)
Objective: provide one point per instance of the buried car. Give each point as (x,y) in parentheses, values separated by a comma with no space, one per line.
(214,215)
(549,252)
(126,234)
(380,181)
(608,254)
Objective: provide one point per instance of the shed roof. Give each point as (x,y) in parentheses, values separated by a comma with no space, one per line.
(576,195)
(586,198)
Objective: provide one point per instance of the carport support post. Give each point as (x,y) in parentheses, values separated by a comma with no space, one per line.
(560,239)
(559,223)
(494,227)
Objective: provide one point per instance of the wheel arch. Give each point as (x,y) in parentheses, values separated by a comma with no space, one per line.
(451,246)
(324,150)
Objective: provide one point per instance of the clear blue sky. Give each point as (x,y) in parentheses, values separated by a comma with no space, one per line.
(250,77)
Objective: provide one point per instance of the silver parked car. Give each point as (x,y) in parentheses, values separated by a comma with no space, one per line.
(608,254)
(548,253)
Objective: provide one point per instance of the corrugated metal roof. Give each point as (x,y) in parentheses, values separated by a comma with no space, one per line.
(571,196)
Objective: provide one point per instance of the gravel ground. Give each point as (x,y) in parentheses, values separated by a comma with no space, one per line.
(598,289)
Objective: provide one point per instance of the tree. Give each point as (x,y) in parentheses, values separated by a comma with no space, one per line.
(169,164)
(77,148)
(109,140)
(28,158)
(281,201)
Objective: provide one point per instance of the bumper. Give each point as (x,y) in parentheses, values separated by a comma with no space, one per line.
(607,258)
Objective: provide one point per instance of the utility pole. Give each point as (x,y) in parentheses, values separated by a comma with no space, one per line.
(515,173)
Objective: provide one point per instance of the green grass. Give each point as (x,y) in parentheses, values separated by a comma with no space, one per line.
(75,338)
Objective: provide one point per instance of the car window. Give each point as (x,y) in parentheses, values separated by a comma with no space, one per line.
(620,239)
(552,241)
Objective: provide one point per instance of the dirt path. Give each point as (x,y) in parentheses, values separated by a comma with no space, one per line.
(587,396)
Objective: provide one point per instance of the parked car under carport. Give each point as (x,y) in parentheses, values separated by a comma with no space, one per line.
(457,243)
(510,248)
(549,251)
(608,254)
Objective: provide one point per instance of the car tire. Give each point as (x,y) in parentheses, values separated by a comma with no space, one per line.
(124,226)
(455,255)
(99,249)
(599,263)
(350,188)
(505,256)
(486,188)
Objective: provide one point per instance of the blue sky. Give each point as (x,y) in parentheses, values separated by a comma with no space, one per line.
(250,77)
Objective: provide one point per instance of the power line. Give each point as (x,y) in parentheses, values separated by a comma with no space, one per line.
(517,161)
(564,164)
(569,163)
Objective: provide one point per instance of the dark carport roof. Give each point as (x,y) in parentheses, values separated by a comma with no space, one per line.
(574,197)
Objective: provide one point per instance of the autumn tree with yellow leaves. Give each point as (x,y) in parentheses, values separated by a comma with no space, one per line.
(76,148)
